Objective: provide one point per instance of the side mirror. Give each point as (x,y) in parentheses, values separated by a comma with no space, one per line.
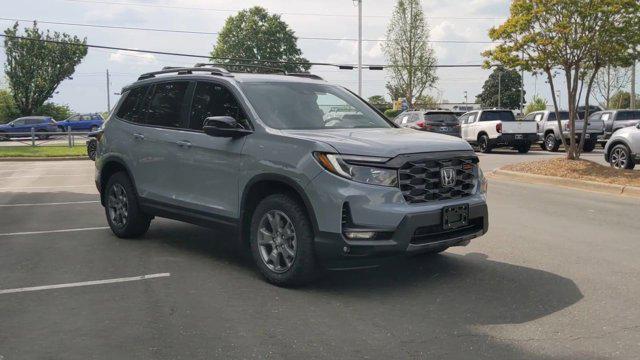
(12,124)
(224,126)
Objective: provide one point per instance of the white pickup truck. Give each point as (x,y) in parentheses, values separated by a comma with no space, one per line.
(489,129)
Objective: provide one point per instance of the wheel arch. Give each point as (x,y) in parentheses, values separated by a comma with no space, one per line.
(482,132)
(263,185)
(110,166)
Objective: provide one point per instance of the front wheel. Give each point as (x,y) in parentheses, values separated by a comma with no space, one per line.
(620,158)
(124,216)
(92,147)
(94,128)
(281,241)
(4,137)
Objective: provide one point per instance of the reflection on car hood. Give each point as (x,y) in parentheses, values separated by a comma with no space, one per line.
(387,142)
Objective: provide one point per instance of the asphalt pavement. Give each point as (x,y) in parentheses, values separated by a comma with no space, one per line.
(556,277)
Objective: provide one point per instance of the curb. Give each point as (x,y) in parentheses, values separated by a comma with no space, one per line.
(631,191)
(51,158)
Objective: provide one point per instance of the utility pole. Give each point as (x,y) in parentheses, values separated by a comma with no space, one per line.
(359,47)
(499,89)
(522,86)
(108,93)
(633,85)
(465,97)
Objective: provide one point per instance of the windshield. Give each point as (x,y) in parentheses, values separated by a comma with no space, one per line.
(310,106)
(441,117)
(505,115)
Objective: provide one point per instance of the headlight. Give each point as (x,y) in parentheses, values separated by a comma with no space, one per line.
(356,168)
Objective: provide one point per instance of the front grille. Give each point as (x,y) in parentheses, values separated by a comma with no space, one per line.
(435,233)
(420,180)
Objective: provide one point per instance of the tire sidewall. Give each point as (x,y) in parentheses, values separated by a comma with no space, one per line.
(627,152)
(137,223)
(303,268)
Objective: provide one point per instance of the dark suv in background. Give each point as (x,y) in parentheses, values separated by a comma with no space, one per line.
(257,154)
(438,121)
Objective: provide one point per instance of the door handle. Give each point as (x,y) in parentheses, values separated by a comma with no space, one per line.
(138,136)
(183,143)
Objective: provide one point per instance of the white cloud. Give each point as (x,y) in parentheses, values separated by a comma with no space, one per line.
(125,56)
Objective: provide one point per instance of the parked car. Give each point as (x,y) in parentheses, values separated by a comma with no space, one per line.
(43,127)
(253,153)
(550,134)
(623,148)
(489,129)
(82,122)
(615,120)
(438,121)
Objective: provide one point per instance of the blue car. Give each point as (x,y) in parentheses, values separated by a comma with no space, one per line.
(44,126)
(82,122)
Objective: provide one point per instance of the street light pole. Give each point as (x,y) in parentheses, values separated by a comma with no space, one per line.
(633,85)
(360,47)
(108,93)
(465,97)
(499,89)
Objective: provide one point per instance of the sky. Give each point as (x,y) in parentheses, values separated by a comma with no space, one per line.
(467,20)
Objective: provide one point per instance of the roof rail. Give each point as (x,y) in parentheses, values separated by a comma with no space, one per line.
(255,66)
(305,75)
(184,71)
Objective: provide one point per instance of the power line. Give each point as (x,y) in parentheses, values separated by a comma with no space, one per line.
(196,32)
(281,62)
(175,7)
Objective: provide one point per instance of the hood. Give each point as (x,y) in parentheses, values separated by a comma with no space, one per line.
(387,142)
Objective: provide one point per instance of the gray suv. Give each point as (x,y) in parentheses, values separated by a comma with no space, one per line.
(253,153)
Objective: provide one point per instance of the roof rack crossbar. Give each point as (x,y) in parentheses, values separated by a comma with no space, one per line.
(254,66)
(184,71)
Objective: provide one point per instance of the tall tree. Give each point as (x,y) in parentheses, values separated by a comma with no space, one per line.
(411,59)
(609,81)
(8,108)
(35,68)
(377,100)
(255,37)
(501,89)
(622,100)
(577,37)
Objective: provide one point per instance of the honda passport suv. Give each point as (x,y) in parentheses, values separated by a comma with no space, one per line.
(254,153)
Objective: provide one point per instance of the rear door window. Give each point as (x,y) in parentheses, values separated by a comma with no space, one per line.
(211,99)
(166,105)
(134,106)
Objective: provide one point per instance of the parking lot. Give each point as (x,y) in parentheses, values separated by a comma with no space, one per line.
(556,277)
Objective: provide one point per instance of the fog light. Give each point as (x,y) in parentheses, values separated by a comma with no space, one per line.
(359,235)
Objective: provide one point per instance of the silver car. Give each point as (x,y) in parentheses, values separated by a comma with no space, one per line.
(623,148)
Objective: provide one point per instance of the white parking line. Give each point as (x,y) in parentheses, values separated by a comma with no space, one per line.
(53,203)
(54,231)
(84,283)
(46,187)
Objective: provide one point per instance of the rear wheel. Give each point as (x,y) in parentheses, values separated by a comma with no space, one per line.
(589,145)
(122,209)
(4,137)
(281,240)
(551,143)
(620,158)
(524,148)
(41,135)
(92,147)
(483,144)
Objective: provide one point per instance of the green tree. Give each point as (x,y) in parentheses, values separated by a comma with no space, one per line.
(8,108)
(576,37)
(377,100)
(504,95)
(537,104)
(622,100)
(255,37)
(35,68)
(427,102)
(411,59)
(56,111)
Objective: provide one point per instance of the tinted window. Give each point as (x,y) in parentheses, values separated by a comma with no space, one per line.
(165,108)
(293,105)
(497,115)
(441,117)
(35,121)
(212,99)
(564,115)
(628,115)
(133,106)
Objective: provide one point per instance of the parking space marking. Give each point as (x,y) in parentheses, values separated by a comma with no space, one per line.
(53,203)
(84,283)
(54,231)
(46,187)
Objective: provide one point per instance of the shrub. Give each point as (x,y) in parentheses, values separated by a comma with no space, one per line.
(390,113)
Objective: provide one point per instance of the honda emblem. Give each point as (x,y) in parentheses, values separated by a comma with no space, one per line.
(448,176)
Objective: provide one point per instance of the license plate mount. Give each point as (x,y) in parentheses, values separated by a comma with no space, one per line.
(518,136)
(454,217)
(587,136)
